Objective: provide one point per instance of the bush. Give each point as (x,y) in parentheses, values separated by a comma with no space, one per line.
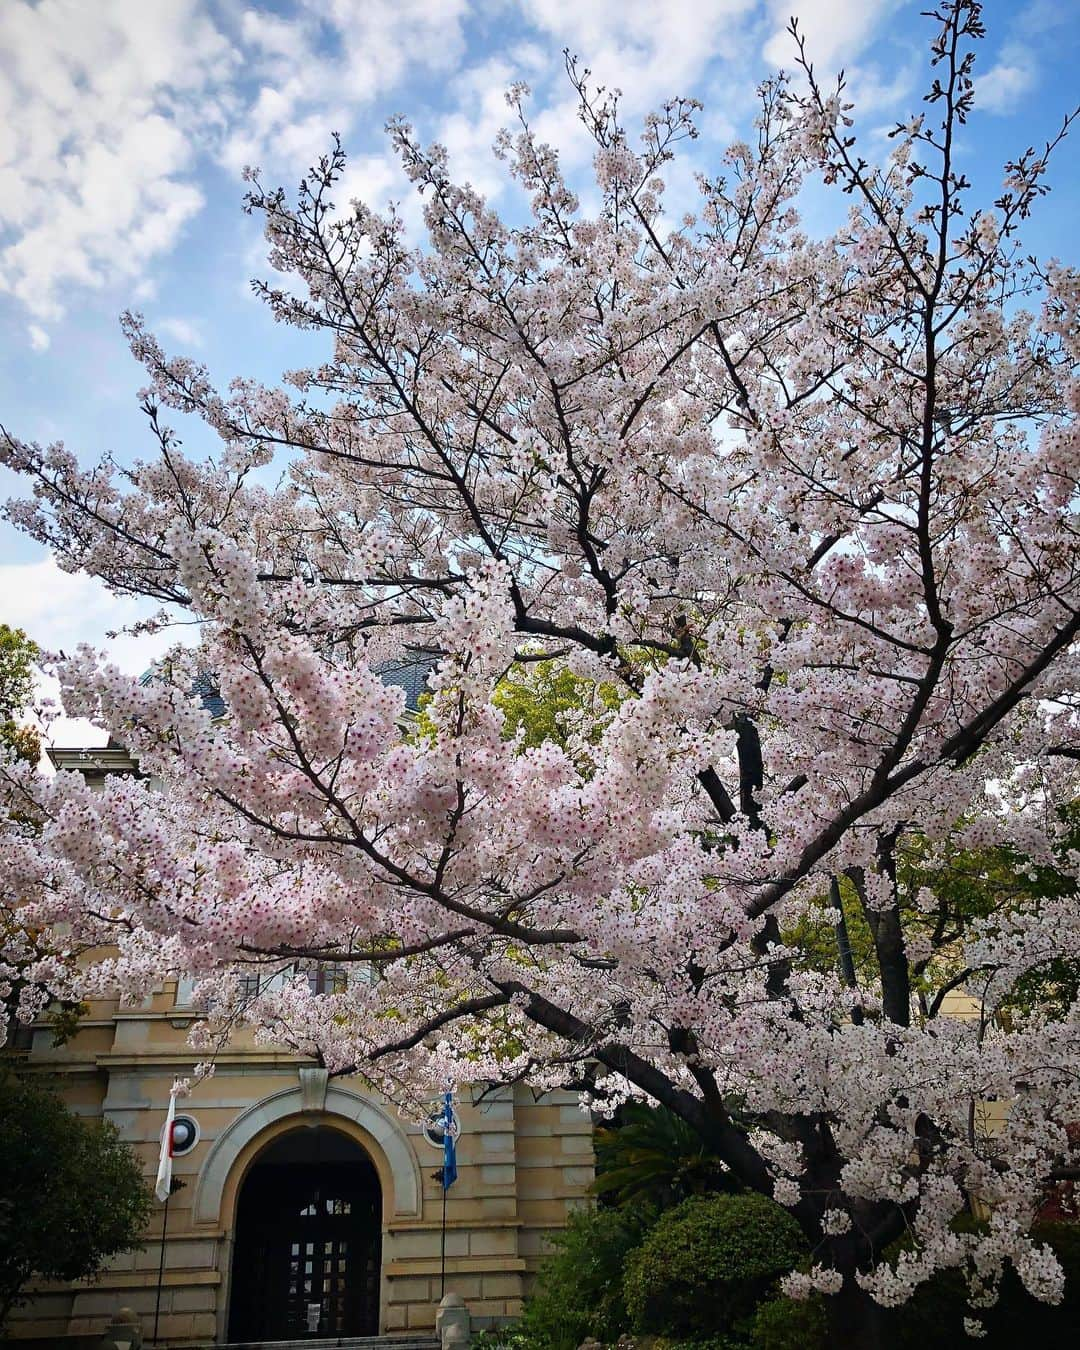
(698,1343)
(789,1324)
(579,1288)
(934,1318)
(705,1266)
(510,1336)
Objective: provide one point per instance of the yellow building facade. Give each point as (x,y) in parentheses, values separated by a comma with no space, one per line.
(309,1209)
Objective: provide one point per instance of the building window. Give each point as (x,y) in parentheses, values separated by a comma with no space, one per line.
(20,1035)
(185,988)
(325,978)
(250,984)
(322,977)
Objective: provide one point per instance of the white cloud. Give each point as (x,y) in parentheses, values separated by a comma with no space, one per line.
(59,610)
(101,110)
(69,733)
(836,31)
(109,110)
(107,107)
(649,51)
(316,68)
(1005,84)
(144,290)
(653,52)
(184,331)
(875,90)
(39,339)
(469,131)
(106,110)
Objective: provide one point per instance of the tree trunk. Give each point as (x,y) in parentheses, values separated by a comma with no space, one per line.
(856,1322)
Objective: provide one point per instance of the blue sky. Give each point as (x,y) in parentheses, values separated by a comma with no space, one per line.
(124,126)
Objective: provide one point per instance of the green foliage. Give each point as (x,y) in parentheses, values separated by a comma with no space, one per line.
(64,1019)
(789,1324)
(941,892)
(543,702)
(971,884)
(71,1191)
(698,1343)
(546,702)
(934,1318)
(509,1337)
(579,1289)
(654,1153)
(706,1265)
(704,1276)
(17,656)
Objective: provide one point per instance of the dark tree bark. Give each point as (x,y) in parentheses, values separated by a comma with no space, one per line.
(855,1321)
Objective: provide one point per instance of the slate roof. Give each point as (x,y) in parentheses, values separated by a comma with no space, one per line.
(409,672)
(204,688)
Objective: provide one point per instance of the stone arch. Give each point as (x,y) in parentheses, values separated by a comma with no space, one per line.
(381,1135)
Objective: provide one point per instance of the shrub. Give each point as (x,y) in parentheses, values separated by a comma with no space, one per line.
(705,1266)
(698,1343)
(789,1324)
(510,1336)
(579,1288)
(934,1318)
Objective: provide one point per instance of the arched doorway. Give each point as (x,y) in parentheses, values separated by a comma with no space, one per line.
(307,1251)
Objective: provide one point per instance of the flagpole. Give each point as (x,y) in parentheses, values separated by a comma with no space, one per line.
(161,1266)
(449,1176)
(163,1189)
(442,1262)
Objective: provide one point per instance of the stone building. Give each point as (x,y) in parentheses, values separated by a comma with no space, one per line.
(309,1209)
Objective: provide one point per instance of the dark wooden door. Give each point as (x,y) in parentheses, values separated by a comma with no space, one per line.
(307,1254)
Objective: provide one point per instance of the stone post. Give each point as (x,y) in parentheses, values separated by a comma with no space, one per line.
(453,1325)
(123,1332)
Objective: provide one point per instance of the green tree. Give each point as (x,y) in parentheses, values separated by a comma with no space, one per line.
(71,1191)
(18,654)
(651,1153)
(943,888)
(543,701)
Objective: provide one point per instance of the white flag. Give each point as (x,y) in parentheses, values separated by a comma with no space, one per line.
(163,1188)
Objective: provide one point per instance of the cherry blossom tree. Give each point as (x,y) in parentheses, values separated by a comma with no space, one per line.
(798,514)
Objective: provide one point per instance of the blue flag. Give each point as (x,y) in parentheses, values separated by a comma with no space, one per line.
(449,1144)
